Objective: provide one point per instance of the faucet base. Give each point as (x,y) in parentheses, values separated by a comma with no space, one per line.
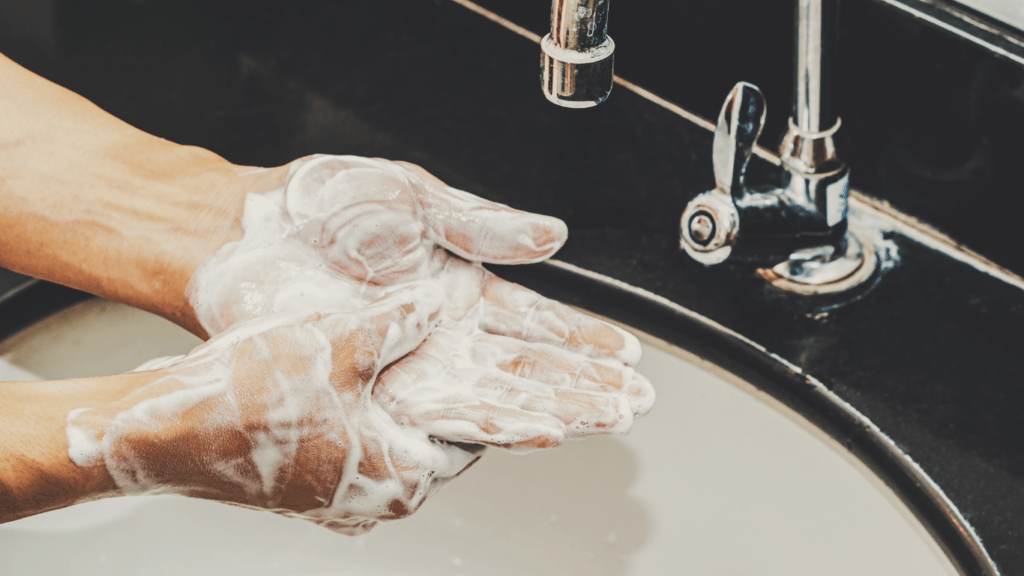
(820,270)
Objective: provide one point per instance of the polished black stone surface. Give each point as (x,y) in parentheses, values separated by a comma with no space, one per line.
(930,353)
(931,122)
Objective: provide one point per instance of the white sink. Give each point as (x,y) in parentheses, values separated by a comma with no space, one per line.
(717,480)
(1008,11)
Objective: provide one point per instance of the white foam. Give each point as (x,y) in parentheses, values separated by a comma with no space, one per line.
(267,412)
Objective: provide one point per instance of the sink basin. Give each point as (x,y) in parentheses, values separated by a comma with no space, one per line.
(719,479)
(1008,11)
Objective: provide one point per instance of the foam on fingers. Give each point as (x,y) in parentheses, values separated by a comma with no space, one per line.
(497,235)
(379,262)
(548,364)
(480,230)
(511,310)
(475,421)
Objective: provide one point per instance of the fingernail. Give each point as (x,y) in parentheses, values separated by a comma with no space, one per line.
(549,234)
(631,352)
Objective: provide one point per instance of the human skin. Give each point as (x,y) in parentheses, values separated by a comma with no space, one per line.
(275,413)
(505,367)
(90,202)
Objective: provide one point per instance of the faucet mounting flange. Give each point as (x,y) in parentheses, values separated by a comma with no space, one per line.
(824,273)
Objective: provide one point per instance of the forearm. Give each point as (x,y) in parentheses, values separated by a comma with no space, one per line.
(36,473)
(90,202)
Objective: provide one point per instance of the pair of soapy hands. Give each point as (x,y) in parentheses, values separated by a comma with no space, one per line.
(360,355)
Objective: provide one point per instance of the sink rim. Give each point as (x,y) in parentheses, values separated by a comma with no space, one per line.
(716,347)
(744,360)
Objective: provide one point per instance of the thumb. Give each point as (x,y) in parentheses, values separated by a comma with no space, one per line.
(400,321)
(483,231)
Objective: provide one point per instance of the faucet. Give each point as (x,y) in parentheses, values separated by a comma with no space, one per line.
(797,230)
(578,56)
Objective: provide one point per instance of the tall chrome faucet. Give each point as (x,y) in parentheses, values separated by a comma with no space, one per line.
(578,56)
(796,232)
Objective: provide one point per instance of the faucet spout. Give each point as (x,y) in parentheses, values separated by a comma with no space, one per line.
(815,36)
(578,56)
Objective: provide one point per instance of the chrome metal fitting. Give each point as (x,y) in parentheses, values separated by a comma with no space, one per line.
(709,226)
(799,230)
(578,56)
(813,174)
(823,270)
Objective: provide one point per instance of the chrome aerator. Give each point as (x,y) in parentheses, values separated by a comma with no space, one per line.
(578,56)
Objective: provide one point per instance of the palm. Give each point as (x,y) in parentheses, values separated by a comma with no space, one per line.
(505,367)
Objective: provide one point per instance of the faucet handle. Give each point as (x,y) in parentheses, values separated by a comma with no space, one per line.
(739,125)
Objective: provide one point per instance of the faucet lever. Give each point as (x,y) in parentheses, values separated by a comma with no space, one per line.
(798,229)
(739,125)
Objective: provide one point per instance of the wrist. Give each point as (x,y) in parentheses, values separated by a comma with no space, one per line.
(178,220)
(138,220)
(90,202)
(36,471)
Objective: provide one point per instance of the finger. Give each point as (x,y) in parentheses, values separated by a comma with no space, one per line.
(547,364)
(424,367)
(483,231)
(490,425)
(494,408)
(316,186)
(581,412)
(510,310)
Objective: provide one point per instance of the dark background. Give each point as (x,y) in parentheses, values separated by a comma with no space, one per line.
(930,353)
(931,123)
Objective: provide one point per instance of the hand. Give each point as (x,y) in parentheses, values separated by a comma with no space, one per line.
(277,413)
(135,218)
(506,367)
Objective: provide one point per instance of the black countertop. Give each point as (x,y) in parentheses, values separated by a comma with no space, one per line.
(930,352)
(931,122)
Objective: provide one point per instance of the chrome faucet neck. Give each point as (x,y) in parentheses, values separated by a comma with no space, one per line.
(579,25)
(814,49)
